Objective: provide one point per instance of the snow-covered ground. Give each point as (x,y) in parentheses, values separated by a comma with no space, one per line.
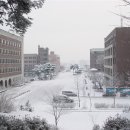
(38,93)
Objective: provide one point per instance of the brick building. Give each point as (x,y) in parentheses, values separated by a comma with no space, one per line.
(97,58)
(30,60)
(43,55)
(117,57)
(54,59)
(11,59)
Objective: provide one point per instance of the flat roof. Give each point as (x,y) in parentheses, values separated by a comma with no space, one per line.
(97,49)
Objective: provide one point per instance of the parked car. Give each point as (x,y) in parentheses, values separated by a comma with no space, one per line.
(79,71)
(62,99)
(69,93)
(125,93)
(32,79)
(109,92)
(106,94)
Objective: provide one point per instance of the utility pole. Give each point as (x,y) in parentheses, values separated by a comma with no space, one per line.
(77,84)
(121,21)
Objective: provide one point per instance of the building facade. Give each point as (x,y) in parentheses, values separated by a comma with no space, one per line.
(30,60)
(54,59)
(97,58)
(43,55)
(117,57)
(11,59)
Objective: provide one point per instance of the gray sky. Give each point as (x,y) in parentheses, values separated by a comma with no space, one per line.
(72,27)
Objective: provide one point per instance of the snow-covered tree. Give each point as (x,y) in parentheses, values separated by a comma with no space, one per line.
(44,71)
(117,123)
(74,67)
(99,79)
(14,13)
(96,127)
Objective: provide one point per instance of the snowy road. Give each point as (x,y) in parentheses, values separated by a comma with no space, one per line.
(77,119)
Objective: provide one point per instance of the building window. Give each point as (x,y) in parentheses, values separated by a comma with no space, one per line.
(0,51)
(3,41)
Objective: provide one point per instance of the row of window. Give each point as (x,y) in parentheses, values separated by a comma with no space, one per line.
(10,43)
(10,70)
(109,42)
(108,71)
(10,52)
(28,67)
(30,57)
(30,61)
(110,61)
(9,61)
(109,52)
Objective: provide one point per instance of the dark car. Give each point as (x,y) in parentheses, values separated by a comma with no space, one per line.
(62,99)
(69,93)
(108,94)
(125,93)
(32,79)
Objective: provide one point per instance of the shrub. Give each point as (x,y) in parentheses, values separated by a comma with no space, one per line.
(96,127)
(101,105)
(104,105)
(6,104)
(26,107)
(13,123)
(126,106)
(36,124)
(126,109)
(116,123)
(120,106)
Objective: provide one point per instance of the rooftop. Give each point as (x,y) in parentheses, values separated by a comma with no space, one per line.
(97,49)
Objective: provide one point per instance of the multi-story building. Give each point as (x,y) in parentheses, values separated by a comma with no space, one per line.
(11,59)
(117,57)
(30,60)
(43,55)
(55,59)
(97,58)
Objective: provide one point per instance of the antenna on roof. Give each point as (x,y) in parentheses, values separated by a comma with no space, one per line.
(121,22)
(121,18)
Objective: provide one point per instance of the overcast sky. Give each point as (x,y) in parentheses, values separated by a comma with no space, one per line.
(72,27)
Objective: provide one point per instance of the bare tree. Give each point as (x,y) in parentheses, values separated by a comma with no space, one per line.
(56,106)
(90,101)
(127,2)
(93,77)
(57,111)
(99,79)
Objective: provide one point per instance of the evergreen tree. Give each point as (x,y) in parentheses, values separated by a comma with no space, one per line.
(14,13)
